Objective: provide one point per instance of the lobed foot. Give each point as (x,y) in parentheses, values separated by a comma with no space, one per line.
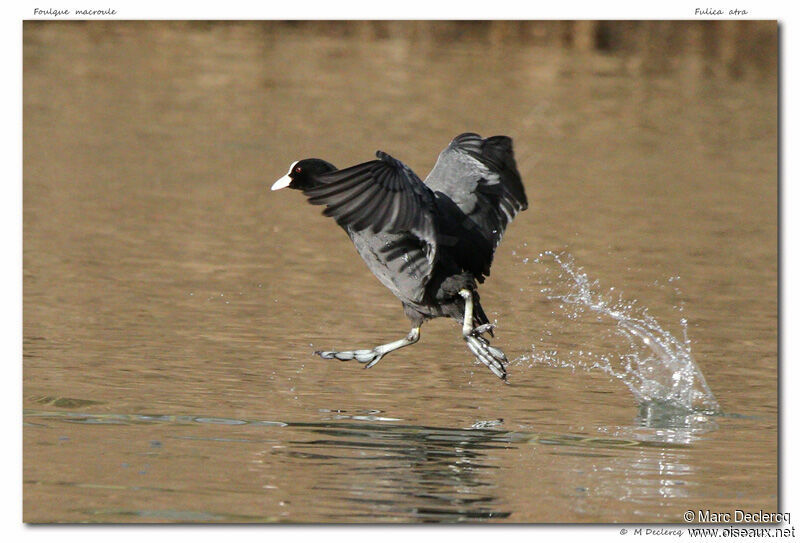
(370,357)
(491,357)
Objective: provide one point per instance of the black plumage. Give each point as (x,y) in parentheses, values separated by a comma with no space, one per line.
(429,242)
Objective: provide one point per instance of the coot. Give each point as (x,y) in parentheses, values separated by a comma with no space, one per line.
(429,242)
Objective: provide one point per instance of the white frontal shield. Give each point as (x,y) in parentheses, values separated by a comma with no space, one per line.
(284,181)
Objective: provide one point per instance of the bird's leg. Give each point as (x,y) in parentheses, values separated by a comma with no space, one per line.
(370,357)
(490,356)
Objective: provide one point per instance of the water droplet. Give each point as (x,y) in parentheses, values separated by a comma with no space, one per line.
(658,368)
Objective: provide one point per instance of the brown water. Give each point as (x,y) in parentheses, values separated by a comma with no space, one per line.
(172,303)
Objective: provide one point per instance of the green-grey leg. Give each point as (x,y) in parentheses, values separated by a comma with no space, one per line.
(490,356)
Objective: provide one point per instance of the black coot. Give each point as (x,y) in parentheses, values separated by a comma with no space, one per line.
(430,242)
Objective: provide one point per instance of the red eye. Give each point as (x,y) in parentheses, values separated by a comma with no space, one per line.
(298,169)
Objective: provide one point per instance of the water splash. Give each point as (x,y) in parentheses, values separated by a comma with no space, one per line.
(657,367)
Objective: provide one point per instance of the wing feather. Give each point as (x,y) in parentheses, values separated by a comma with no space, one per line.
(385,197)
(480,176)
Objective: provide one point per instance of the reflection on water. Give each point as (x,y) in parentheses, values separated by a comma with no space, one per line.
(380,471)
(172,303)
(394,472)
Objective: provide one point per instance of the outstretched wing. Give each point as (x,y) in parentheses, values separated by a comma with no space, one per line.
(481,177)
(385,197)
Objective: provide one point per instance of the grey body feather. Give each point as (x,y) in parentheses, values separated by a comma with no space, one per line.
(427,241)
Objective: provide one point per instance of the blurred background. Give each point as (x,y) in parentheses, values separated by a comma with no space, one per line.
(172,303)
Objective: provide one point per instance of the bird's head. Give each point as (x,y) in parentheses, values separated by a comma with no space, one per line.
(302,174)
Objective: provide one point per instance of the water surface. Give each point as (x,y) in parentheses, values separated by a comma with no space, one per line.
(172,303)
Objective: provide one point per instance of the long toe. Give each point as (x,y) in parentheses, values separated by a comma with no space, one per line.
(491,357)
(482,329)
(374,361)
(497,354)
(365,356)
(329,355)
